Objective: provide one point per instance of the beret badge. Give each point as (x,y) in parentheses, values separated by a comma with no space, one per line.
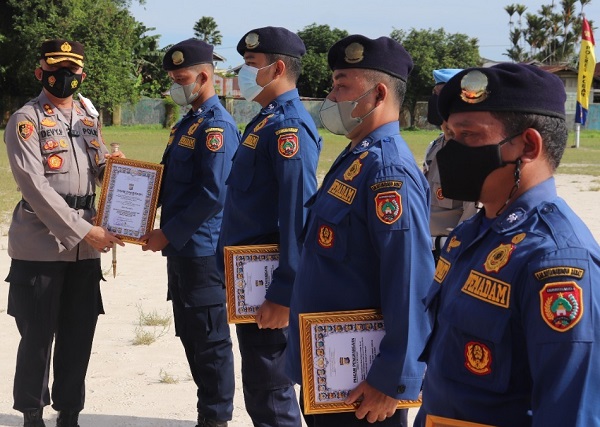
(474,87)
(177,57)
(354,53)
(66,47)
(251,40)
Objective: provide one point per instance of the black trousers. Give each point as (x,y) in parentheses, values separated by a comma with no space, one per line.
(53,302)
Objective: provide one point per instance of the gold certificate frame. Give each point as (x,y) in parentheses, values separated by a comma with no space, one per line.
(129,198)
(434,421)
(337,350)
(248,275)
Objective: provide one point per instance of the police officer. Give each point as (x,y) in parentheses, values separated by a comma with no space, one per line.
(445,213)
(57,157)
(197,161)
(367,241)
(273,175)
(514,297)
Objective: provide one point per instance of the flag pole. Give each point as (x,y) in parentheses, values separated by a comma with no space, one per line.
(577,133)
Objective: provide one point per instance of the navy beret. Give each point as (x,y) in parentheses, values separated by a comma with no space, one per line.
(504,87)
(275,40)
(382,54)
(58,50)
(187,53)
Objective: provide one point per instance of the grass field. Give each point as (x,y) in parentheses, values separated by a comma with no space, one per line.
(148,142)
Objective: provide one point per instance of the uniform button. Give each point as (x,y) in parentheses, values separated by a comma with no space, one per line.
(547,209)
(401,389)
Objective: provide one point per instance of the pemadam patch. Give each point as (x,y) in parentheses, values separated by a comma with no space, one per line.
(25,129)
(388,206)
(478,358)
(498,258)
(561,305)
(214,141)
(353,170)
(55,162)
(288,145)
(326,237)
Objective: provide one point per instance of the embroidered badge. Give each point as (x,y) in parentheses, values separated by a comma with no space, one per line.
(487,289)
(386,184)
(187,142)
(48,109)
(262,123)
(353,170)
(214,141)
(563,271)
(518,238)
(194,126)
(441,270)
(438,194)
(288,145)
(97,159)
(342,191)
(326,237)
(478,358)
(50,145)
(48,122)
(78,110)
(25,129)
(63,143)
(453,243)
(87,121)
(498,258)
(388,206)
(55,162)
(95,143)
(363,155)
(251,141)
(561,304)
(285,130)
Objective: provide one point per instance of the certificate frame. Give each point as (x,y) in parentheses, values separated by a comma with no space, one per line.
(318,356)
(133,173)
(435,421)
(245,292)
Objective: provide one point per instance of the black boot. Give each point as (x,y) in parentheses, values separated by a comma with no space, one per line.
(33,418)
(203,422)
(67,419)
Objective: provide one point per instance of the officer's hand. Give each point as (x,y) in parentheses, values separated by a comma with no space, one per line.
(272,316)
(375,405)
(155,240)
(101,239)
(118,154)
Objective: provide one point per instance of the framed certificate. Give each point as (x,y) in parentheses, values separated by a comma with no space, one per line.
(433,421)
(129,198)
(337,350)
(248,275)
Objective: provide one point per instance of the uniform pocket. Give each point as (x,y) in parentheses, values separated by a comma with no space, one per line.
(242,173)
(182,166)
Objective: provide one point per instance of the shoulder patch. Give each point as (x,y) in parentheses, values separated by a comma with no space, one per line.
(478,358)
(48,122)
(388,206)
(286,130)
(251,141)
(288,145)
(561,305)
(441,270)
(386,184)
(559,271)
(342,191)
(209,130)
(487,289)
(25,129)
(214,140)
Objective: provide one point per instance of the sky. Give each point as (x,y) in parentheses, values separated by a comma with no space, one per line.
(485,20)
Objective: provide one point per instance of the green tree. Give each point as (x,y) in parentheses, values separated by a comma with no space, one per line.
(550,36)
(206,30)
(432,50)
(315,80)
(105,27)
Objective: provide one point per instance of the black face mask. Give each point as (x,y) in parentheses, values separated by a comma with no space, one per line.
(433,116)
(61,83)
(463,169)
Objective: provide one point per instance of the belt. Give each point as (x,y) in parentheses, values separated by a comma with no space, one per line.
(437,242)
(80,202)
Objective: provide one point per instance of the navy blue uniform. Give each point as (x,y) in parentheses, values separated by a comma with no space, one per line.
(273,175)
(367,245)
(516,319)
(197,161)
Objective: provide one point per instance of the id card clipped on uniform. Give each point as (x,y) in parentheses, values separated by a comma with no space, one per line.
(248,275)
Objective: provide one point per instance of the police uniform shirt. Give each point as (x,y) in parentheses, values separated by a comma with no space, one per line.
(517,312)
(197,162)
(445,213)
(273,175)
(48,163)
(367,245)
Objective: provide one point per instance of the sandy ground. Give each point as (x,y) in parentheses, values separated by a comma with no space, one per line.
(124,381)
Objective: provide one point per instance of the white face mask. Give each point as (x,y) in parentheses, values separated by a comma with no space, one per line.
(337,116)
(184,95)
(247,81)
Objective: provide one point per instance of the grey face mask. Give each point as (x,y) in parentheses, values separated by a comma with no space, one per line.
(337,116)
(184,94)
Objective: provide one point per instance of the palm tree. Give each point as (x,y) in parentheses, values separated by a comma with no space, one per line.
(206,30)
